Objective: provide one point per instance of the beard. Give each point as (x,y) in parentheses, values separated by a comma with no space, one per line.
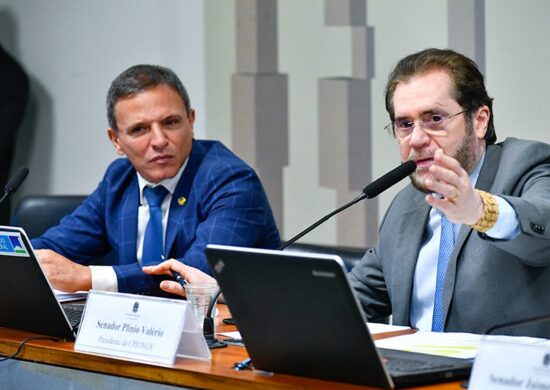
(467,155)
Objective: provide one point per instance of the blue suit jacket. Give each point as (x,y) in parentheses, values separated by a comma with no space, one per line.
(225,204)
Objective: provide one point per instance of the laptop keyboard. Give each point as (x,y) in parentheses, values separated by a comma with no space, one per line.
(413,365)
(74,313)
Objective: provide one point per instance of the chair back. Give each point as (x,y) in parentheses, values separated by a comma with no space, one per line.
(37,213)
(349,255)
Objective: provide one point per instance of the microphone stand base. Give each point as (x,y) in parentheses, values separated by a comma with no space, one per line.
(213,344)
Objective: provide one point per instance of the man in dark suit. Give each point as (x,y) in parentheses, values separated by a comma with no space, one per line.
(208,195)
(466,246)
(14,91)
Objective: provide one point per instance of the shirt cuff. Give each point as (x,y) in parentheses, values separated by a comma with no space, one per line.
(104,278)
(507,225)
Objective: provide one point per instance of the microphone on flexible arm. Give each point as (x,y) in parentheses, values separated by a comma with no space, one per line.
(14,183)
(513,324)
(370,191)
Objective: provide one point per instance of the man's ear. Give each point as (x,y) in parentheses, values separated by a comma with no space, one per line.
(191,118)
(481,121)
(113,137)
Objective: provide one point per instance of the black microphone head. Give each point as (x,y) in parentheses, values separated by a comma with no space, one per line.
(389,179)
(16,180)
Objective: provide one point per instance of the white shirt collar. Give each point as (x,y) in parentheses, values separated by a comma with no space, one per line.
(170,184)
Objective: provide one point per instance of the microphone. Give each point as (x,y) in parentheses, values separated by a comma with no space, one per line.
(14,183)
(512,324)
(389,179)
(370,191)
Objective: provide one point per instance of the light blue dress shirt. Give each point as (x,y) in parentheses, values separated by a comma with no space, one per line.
(422,298)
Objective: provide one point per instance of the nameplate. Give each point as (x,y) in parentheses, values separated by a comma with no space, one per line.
(508,365)
(133,327)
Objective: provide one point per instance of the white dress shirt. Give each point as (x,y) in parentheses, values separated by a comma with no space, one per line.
(104,277)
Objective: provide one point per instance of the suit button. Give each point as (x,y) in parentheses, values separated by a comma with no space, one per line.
(537,228)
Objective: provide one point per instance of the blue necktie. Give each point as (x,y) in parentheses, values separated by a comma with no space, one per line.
(446,244)
(153,240)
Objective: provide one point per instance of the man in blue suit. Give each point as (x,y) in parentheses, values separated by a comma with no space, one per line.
(209,194)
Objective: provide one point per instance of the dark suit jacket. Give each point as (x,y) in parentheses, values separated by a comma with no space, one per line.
(488,281)
(225,204)
(14,91)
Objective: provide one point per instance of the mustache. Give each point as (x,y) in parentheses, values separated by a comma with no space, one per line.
(420,156)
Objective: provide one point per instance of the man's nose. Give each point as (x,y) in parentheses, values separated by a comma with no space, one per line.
(158,136)
(418,137)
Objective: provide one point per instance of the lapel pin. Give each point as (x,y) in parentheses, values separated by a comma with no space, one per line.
(182,200)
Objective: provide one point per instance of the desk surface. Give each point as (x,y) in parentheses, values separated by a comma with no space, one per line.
(218,373)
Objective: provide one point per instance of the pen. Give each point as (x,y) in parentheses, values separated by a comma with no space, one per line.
(179,278)
(232,341)
(176,274)
(242,365)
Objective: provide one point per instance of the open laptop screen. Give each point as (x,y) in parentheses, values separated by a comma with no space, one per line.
(298,314)
(27,301)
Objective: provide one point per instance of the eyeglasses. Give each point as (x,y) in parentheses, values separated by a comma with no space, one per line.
(430,123)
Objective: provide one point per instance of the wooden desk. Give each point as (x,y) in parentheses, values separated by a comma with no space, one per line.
(218,373)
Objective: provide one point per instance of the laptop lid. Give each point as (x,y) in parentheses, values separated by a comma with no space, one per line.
(27,300)
(298,314)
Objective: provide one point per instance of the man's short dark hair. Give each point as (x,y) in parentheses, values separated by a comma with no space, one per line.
(468,86)
(138,78)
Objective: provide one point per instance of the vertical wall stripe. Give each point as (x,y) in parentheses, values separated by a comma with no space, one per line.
(466,29)
(345,128)
(260,99)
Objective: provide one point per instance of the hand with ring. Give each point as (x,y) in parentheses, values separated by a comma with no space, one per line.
(458,199)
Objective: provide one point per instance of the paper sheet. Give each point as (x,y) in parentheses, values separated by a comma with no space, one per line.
(63,296)
(374,328)
(458,345)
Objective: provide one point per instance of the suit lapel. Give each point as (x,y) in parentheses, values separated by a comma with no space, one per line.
(490,167)
(128,222)
(180,199)
(484,183)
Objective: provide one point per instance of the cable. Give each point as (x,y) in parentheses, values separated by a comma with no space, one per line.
(22,344)
(208,325)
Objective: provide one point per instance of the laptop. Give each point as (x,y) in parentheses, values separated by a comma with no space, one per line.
(27,300)
(298,315)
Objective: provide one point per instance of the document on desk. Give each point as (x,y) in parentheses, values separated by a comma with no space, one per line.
(457,345)
(374,328)
(63,296)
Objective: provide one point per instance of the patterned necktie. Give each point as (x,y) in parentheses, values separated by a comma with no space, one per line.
(153,240)
(446,244)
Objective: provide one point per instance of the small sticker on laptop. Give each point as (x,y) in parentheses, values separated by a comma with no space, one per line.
(323,274)
(12,244)
(219,266)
